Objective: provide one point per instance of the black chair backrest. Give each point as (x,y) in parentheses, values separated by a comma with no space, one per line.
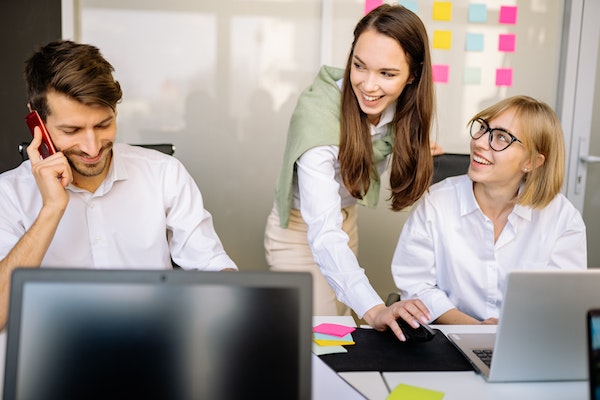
(449,164)
(166,148)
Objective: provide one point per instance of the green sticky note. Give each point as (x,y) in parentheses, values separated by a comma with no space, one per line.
(408,392)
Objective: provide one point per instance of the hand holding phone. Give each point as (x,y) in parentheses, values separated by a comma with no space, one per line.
(46,148)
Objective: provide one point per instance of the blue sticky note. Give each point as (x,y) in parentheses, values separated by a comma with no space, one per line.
(477,13)
(322,336)
(409,4)
(474,42)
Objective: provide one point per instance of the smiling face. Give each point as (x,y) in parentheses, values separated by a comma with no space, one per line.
(379,73)
(500,168)
(84,133)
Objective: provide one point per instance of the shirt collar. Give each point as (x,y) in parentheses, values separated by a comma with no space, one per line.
(387,115)
(468,203)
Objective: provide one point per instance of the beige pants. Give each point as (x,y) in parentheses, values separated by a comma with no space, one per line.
(288,250)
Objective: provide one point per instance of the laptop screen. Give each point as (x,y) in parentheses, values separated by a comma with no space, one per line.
(76,334)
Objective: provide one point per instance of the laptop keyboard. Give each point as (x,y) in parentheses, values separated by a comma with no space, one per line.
(485,356)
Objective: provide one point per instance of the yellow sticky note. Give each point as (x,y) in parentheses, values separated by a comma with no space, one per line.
(408,392)
(442,40)
(332,342)
(442,11)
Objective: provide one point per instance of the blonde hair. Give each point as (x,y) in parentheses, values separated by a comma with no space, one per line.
(540,133)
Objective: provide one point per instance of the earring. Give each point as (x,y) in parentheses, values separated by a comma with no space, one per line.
(525,170)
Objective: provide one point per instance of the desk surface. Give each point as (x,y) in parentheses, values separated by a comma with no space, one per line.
(455,385)
(464,385)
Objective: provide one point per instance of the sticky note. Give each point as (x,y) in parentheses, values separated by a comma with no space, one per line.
(504,77)
(440,73)
(409,4)
(474,42)
(508,15)
(322,336)
(372,4)
(477,13)
(442,11)
(333,329)
(442,40)
(326,343)
(506,42)
(472,76)
(408,392)
(320,350)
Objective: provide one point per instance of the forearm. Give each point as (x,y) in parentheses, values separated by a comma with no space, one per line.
(28,252)
(456,317)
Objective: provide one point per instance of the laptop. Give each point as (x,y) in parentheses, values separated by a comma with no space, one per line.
(541,334)
(115,334)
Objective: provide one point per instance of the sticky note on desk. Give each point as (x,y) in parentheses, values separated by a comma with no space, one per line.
(333,329)
(322,336)
(408,392)
(320,350)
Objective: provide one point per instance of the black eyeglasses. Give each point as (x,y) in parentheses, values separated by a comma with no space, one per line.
(499,138)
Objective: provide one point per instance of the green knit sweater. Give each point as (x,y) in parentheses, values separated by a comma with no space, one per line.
(316,122)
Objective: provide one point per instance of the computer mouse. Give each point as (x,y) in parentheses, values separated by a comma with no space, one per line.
(421,334)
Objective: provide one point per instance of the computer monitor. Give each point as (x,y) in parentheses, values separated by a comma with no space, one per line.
(115,334)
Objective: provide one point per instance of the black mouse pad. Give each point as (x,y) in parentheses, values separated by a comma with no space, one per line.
(382,351)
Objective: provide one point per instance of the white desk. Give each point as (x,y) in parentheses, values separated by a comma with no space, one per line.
(456,385)
(463,385)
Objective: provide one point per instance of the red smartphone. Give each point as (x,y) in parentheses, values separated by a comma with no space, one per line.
(46,148)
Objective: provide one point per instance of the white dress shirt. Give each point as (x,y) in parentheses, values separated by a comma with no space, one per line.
(147,210)
(447,257)
(319,194)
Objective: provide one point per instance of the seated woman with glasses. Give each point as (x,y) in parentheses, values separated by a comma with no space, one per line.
(507,213)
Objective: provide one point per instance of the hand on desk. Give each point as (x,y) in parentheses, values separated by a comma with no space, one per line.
(381,317)
(490,321)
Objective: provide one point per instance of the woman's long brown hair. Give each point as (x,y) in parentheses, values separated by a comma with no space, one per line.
(411,163)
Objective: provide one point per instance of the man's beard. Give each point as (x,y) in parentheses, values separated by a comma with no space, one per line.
(90,170)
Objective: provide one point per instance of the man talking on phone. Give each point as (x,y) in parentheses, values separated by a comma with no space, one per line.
(96,203)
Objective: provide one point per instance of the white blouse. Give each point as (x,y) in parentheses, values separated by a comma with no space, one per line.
(446,255)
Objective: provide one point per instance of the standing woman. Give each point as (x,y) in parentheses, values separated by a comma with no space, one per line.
(348,126)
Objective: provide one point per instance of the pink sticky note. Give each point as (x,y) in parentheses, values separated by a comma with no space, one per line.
(440,73)
(333,329)
(504,77)
(508,15)
(372,4)
(506,42)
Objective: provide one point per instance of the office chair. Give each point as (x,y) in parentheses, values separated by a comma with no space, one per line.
(166,148)
(449,164)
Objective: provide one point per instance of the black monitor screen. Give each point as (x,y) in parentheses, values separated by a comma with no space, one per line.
(136,340)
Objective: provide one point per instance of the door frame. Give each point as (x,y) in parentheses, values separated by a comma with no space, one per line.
(579,58)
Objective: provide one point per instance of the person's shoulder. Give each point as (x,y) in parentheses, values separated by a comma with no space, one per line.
(562,205)
(453,184)
(141,154)
(20,173)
